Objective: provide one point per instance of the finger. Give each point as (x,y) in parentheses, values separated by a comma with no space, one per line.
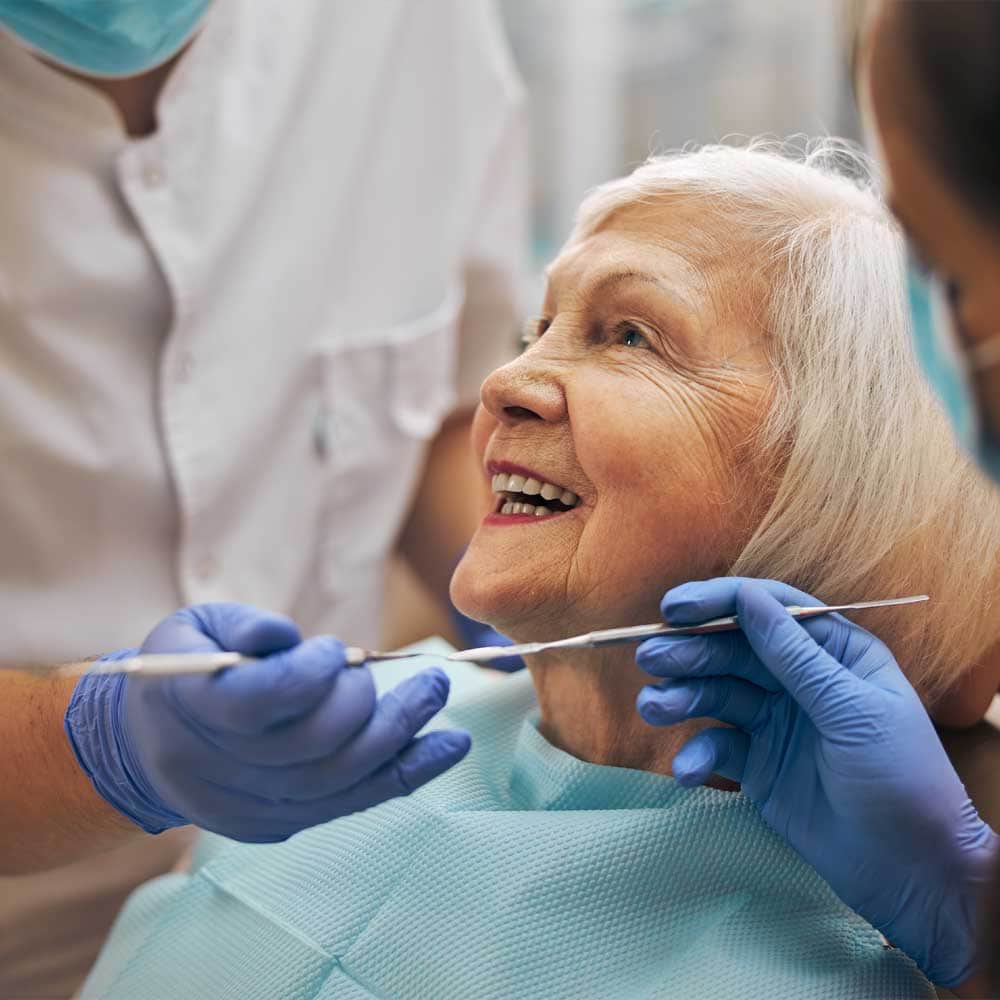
(211,627)
(399,715)
(809,674)
(701,600)
(331,725)
(699,656)
(712,751)
(724,698)
(255,697)
(726,652)
(693,603)
(424,759)
(234,815)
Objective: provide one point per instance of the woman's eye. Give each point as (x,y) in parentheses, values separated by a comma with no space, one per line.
(631,337)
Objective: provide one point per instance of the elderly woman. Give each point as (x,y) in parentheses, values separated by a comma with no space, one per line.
(720,381)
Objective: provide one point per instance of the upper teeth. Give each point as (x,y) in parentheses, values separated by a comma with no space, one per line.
(504,483)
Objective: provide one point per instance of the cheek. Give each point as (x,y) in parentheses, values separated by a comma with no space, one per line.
(638,439)
(668,503)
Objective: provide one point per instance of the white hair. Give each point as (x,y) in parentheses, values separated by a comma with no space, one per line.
(872,496)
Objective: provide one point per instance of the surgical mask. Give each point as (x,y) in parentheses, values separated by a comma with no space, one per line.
(950,366)
(104,38)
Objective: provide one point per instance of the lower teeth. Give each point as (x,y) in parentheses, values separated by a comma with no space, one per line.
(524,508)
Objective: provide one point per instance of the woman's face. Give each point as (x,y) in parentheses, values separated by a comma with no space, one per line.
(640,397)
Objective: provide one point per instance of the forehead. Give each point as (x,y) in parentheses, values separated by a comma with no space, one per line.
(673,244)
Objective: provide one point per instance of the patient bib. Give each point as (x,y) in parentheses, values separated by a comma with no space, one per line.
(521,873)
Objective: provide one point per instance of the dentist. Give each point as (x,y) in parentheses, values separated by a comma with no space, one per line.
(826,736)
(255,258)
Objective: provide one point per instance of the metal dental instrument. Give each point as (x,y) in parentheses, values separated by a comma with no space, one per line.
(638,633)
(171,664)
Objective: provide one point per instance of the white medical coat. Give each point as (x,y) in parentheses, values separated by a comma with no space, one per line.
(224,346)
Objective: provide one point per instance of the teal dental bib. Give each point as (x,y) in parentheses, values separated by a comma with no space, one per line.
(521,873)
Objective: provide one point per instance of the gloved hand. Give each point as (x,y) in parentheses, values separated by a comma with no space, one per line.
(834,748)
(472,634)
(262,750)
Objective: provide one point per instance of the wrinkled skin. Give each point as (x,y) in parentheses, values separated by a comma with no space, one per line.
(641,393)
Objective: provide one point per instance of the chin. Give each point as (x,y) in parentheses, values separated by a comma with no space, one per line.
(503,598)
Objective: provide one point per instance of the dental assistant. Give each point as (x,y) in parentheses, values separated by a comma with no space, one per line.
(827,737)
(255,259)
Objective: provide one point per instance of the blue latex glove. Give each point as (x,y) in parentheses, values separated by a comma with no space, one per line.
(472,634)
(835,749)
(260,751)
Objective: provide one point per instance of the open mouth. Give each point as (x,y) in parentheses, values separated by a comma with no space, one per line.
(519,495)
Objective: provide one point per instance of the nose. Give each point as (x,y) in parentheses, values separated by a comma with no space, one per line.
(524,390)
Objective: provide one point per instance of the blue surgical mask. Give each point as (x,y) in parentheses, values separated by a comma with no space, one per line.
(949,366)
(105,38)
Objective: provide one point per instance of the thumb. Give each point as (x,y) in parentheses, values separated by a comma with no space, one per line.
(268,692)
(206,628)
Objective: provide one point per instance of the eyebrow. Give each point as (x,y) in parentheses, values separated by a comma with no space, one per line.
(613,279)
(609,281)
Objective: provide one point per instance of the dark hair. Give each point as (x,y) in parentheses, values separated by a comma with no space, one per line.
(953,47)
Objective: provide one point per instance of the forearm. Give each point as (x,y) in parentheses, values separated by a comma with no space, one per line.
(50,813)
(447,507)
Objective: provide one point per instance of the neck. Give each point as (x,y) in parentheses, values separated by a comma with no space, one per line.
(134,97)
(587,701)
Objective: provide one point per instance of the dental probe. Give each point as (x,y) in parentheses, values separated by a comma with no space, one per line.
(172,664)
(638,633)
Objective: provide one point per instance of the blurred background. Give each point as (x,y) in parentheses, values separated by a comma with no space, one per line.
(611,81)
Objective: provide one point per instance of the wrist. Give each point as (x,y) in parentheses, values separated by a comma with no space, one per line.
(95,725)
